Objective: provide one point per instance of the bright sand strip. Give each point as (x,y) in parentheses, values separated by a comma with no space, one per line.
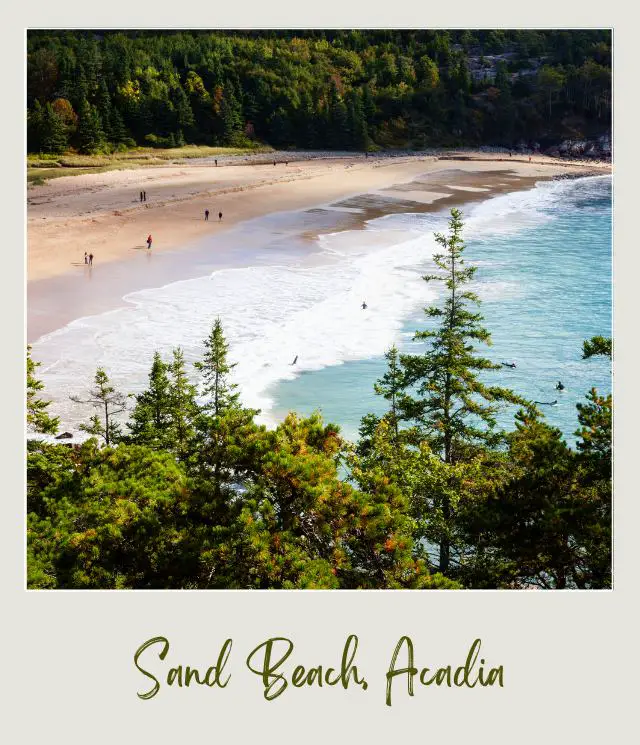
(102,214)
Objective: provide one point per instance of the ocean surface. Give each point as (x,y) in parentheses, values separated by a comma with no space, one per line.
(544,277)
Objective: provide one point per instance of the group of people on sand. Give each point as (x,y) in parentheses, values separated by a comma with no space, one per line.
(88,259)
(143,196)
(206,216)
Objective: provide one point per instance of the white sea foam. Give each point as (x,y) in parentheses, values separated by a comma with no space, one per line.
(271,314)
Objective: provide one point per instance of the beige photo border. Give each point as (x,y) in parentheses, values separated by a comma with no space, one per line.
(568,656)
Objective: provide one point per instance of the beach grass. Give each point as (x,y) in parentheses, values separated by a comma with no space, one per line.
(42,167)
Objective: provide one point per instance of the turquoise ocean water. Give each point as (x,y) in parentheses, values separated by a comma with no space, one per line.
(544,276)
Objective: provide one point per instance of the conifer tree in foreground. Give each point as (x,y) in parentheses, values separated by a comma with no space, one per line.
(150,421)
(109,403)
(222,427)
(38,420)
(183,406)
(218,390)
(451,407)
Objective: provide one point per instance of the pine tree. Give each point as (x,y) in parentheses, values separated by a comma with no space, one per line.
(109,403)
(184,410)
(53,136)
(104,108)
(223,428)
(183,113)
(35,120)
(150,422)
(391,387)
(219,392)
(90,133)
(368,104)
(453,408)
(359,133)
(338,119)
(37,418)
(231,114)
(117,127)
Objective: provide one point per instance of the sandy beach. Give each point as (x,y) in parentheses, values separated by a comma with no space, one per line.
(102,214)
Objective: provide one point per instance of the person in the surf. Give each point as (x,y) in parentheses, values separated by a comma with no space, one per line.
(509,364)
(559,386)
(364,305)
(546,403)
(295,359)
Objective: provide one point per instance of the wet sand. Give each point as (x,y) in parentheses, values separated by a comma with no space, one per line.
(327,196)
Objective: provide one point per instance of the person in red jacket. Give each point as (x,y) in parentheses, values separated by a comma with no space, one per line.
(149,241)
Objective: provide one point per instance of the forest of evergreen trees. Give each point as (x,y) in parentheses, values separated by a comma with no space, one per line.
(100,91)
(184,490)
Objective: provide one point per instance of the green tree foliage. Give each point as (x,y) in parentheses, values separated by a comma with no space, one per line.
(223,431)
(119,525)
(218,390)
(302,90)
(231,115)
(109,402)
(38,420)
(183,407)
(453,409)
(199,496)
(150,423)
(91,137)
(548,522)
(597,345)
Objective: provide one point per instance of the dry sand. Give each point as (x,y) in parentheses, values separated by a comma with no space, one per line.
(102,214)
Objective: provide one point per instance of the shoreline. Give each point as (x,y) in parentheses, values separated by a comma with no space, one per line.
(333,196)
(101,213)
(276,286)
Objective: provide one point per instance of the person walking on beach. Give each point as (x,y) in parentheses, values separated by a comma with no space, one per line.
(86,258)
(206,214)
(216,162)
(149,241)
(144,196)
(219,216)
(90,259)
(140,196)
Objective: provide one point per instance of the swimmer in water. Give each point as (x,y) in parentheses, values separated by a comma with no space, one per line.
(559,386)
(364,305)
(509,364)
